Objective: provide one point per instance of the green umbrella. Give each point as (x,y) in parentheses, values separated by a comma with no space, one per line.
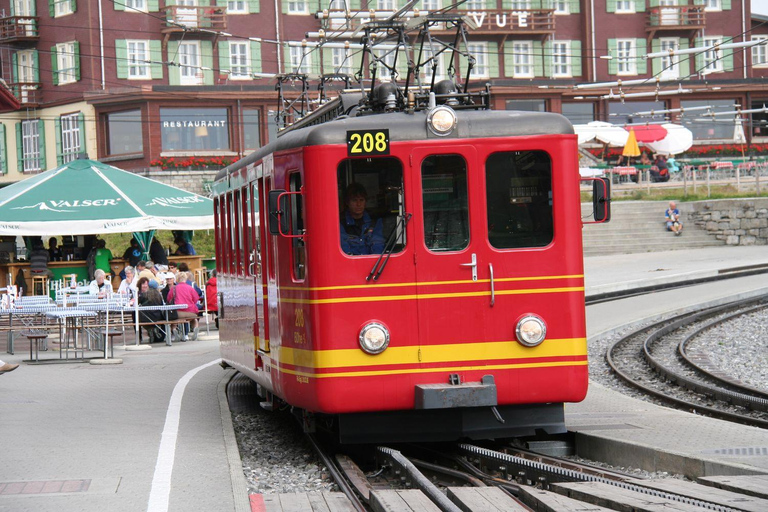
(89,197)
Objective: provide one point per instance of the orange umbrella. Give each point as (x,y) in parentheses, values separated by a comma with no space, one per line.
(631,148)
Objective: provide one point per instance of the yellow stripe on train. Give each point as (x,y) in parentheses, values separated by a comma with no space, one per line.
(427,296)
(431,370)
(447,353)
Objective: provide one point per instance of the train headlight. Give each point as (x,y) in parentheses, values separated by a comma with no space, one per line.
(531,330)
(441,120)
(374,338)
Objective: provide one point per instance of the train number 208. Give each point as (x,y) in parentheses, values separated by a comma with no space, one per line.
(368,142)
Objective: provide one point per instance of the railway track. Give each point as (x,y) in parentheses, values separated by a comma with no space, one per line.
(658,360)
(467,477)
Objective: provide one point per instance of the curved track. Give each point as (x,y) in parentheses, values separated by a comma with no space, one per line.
(663,349)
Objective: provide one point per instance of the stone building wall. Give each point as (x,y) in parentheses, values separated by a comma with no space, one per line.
(189,180)
(735,221)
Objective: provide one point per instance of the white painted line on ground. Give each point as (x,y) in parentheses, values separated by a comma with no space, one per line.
(160,493)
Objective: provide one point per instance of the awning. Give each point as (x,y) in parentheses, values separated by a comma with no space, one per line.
(677,140)
(89,197)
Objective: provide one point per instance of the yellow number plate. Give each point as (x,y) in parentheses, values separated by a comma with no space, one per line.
(368,142)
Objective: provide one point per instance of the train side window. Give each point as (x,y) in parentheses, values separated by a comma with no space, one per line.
(234,250)
(445,199)
(297,227)
(375,187)
(518,188)
(225,233)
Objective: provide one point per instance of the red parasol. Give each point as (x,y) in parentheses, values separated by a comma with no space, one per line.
(648,132)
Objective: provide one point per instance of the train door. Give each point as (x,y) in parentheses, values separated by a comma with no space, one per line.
(450,266)
(268,291)
(255,267)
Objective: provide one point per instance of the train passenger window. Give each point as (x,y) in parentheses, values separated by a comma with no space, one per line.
(519,199)
(297,227)
(370,205)
(446,210)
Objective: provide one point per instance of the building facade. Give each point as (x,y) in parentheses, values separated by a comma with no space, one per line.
(149,85)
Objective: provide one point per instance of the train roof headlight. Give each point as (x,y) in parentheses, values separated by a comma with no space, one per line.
(441,120)
(374,338)
(531,330)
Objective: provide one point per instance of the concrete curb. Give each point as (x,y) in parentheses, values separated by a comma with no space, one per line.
(99,362)
(239,484)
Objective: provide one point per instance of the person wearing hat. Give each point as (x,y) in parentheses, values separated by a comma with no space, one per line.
(170,282)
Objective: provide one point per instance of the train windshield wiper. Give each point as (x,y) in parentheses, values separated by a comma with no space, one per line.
(389,247)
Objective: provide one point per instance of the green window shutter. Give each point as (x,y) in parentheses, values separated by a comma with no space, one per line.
(684,61)
(203,3)
(575,57)
(699,60)
(284,6)
(327,54)
(3,151)
(15,65)
(81,128)
(51,8)
(505,4)
(174,73)
(287,59)
(639,5)
(536,5)
(36,65)
(574,6)
(57,129)
(610,6)
(13,9)
(152,5)
(547,57)
(727,59)
(156,56)
(73,5)
(726,4)
(77,61)
(656,63)
(41,132)
(653,3)
(19,147)
(255,57)
(493,60)
(353,5)
(612,66)
(121,58)
(119,5)
(33,9)
(509,60)
(641,64)
(224,63)
(538,59)
(254,6)
(206,50)
(54,65)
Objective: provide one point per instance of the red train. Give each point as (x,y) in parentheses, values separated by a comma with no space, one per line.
(452,306)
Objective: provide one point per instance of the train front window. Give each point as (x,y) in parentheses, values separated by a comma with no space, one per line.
(518,188)
(446,211)
(370,193)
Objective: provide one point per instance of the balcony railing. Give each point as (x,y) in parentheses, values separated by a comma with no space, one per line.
(676,17)
(180,18)
(19,28)
(28,93)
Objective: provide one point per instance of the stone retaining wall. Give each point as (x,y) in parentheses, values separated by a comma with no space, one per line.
(735,221)
(191,181)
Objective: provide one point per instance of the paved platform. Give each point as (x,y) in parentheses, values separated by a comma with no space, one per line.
(154,433)
(625,431)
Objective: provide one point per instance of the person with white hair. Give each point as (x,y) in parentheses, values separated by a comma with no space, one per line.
(99,286)
(128,285)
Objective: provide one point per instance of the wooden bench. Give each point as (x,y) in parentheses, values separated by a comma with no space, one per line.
(36,337)
(166,326)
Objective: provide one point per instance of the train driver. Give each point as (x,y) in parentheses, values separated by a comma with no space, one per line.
(360,234)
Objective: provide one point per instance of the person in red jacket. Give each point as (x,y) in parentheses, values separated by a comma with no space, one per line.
(211,297)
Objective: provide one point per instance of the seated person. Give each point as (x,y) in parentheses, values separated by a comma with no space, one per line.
(672,218)
(38,260)
(184,248)
(99,286)
(644,160)
(149,295)
(360,234)
(672,165)
(183,293)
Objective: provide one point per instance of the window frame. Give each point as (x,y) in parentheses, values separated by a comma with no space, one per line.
(109,141)
(129,7)
(71,137)
(479,50)
(757,49)
(31,148)
(565,55)
(298,7)
(244,10)
(628,60)
(710,57)
(135,63)
(518,55)
(62,8)
(561,7)
(298,56)
(185,76)
(297,225)
(713,5)
(244,65)
(64,52)
(625,7)
(341,61)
